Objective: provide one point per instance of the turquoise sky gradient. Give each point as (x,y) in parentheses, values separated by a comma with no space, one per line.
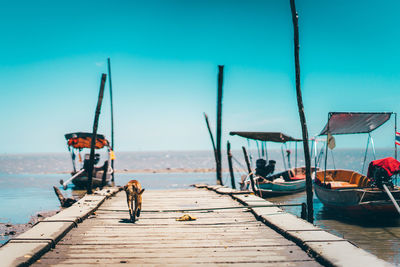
(164,64)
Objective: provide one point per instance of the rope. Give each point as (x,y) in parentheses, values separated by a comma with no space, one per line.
(241,166)
(333,159)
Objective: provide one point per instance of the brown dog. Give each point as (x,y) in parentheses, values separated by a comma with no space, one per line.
(134,191)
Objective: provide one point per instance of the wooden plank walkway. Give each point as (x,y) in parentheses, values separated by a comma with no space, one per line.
(220,237)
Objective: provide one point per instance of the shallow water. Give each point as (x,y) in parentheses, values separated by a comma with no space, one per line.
(26,183)
(378,235)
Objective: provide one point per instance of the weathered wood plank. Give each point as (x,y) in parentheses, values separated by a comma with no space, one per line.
(216,238)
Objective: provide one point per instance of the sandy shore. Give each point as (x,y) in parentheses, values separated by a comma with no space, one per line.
(8,230)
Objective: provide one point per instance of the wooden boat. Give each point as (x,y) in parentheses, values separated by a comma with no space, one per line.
(101,174)
(284,183)
(289,181)
(349,190)
(352,192)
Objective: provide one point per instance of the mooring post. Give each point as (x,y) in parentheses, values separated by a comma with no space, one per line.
(219,122)
(228,151)
(104,177)
(64,202)
(94,135)
(310,211)
(303,214)
(246,158)
(112,116)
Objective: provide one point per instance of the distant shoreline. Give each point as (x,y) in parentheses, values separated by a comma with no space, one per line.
(169,170)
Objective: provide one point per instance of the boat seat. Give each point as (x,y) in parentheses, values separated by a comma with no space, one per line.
(298,177)
(363,182)
(355,178)
(340,185)
(328,179)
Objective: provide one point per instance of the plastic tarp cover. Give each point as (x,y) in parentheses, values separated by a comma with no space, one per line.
(391,166)
(267,136)
(353,123)
(83,140)
(82,135)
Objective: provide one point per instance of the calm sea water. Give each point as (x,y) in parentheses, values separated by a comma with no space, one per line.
(26,183)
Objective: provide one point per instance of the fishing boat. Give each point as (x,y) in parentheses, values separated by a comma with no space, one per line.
(351,191)
(78,141)
(283,183)
(290,181)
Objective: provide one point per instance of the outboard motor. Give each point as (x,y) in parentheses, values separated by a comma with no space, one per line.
(260,168)
(381,172)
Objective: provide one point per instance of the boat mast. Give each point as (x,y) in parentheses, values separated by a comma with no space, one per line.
(326,145)
(72,157)
(295,160)
(310,208)
(283,157)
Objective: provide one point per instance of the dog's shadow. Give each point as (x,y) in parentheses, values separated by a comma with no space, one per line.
(125,221)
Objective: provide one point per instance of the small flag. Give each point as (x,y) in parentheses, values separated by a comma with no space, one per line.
(397,140)
(112,155)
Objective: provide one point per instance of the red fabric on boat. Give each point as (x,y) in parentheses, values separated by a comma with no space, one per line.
(298,177)
(391,165)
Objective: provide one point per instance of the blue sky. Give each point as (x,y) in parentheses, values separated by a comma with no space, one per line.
(164,64)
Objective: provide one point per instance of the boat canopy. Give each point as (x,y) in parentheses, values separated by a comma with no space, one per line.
(83,140)
(267,136)
(354,122)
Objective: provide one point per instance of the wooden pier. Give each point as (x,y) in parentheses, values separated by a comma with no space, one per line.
(96,230)
(218,237)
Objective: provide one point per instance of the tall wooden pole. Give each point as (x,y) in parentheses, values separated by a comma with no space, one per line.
(228,151)
(94,134)
(112,116)
(310,208)
(219,122)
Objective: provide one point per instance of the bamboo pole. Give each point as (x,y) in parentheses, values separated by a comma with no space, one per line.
(112,115)
(94,135)
(310,209)
(219,123)
(211,137)
(395,131)
(391,198)
(246,158)
(228,151)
